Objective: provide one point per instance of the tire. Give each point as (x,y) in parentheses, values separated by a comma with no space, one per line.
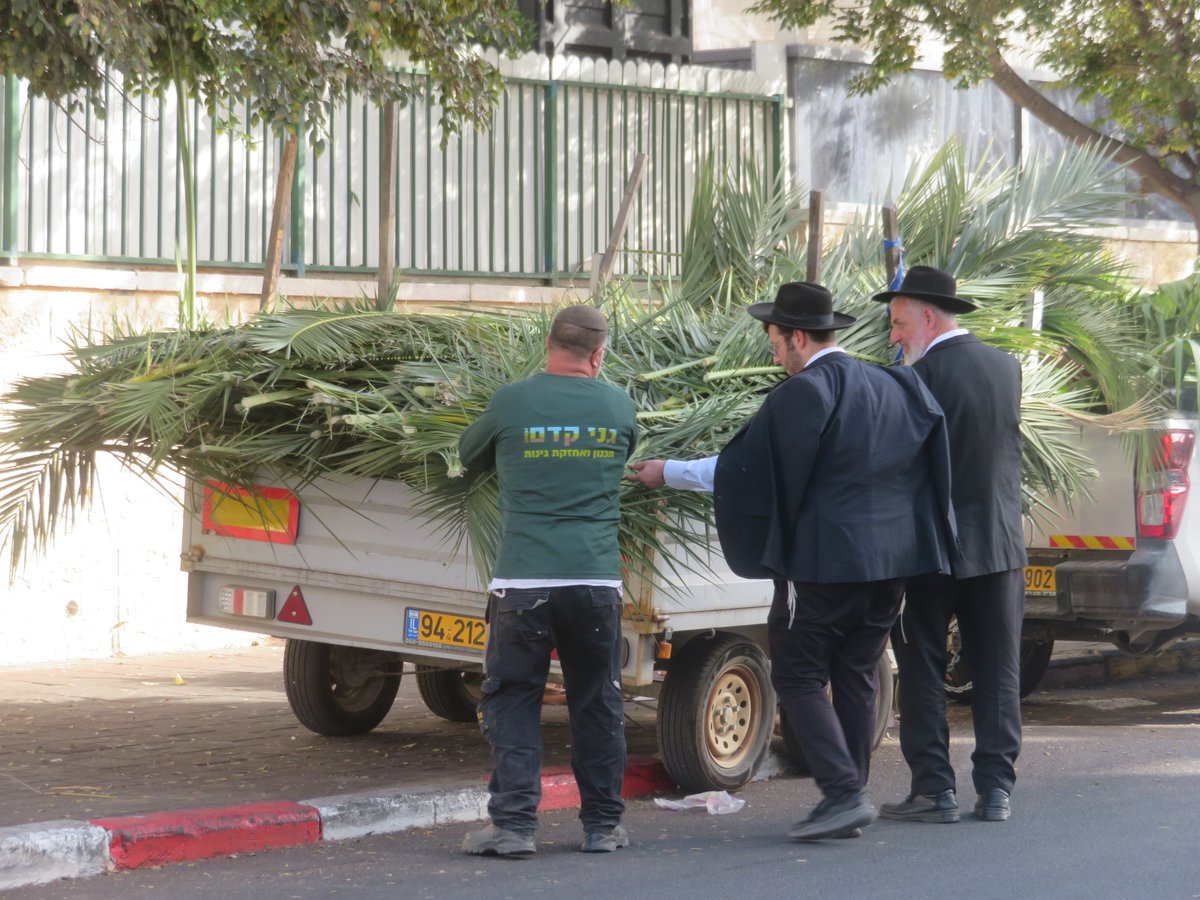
(884,711)
(715,713)
(450,693)
(339,691)
(1035,657)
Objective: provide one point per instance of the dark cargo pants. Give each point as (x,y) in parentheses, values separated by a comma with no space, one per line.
(524,626)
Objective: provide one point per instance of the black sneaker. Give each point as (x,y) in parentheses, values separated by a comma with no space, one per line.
(937,808)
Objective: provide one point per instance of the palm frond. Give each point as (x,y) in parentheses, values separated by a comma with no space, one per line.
(345,390)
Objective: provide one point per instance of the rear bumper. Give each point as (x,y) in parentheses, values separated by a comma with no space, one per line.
(1146,591)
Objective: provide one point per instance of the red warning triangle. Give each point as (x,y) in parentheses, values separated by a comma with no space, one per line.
(295,610)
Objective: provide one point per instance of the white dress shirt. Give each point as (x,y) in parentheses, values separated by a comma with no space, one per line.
(697,474)
(954,332)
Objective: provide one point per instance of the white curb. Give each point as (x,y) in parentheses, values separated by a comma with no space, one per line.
(349,816)
(47,851)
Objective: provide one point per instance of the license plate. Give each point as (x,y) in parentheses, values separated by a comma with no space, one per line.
(432,629)
(1039,581)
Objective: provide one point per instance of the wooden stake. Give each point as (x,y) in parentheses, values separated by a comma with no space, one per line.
(891,247)
(279,217)
(618,231)
(816,224)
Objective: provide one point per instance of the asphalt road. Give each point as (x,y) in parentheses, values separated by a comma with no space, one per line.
(1107,806)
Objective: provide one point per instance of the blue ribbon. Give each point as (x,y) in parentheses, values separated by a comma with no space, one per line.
(901,268)
(895,286)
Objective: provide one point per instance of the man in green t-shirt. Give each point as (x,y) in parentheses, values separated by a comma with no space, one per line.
(559,442)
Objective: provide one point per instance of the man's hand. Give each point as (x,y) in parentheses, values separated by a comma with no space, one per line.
(648,473)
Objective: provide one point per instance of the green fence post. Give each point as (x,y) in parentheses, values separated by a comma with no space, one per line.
(12,134)
(780,133)
(550,177)
(296,233)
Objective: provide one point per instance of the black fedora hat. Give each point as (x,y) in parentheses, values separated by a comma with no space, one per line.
(931,285)
(801,304)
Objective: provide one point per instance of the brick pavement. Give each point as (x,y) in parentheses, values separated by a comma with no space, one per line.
(141,761)
(111,737)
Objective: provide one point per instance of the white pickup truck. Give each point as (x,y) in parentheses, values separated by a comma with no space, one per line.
(1122,566)
(358,586)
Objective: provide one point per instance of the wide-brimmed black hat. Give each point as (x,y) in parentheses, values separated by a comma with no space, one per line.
(804,305)
(931,285)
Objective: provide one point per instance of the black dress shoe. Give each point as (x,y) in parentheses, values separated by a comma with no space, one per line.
(939,808)
(835,819)
(993,805)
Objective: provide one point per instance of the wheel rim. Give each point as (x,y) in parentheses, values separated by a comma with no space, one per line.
(731,715)
(359,692)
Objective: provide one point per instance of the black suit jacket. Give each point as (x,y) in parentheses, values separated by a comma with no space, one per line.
(843,475)
(979,388)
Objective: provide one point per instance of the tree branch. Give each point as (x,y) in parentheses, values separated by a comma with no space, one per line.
(1148,167)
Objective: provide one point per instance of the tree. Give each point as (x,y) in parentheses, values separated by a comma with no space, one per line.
(1141,59)
(288,60)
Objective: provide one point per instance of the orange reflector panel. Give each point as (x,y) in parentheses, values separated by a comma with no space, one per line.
(252,514)
(1093,541)
(295,610)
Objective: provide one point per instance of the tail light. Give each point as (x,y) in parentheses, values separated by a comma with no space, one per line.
(1162,493)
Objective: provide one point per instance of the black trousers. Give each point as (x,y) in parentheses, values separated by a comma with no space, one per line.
(834,641)
(989,610)
(524,625)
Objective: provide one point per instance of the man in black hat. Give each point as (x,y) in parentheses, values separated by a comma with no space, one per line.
(838,490)
(979,387)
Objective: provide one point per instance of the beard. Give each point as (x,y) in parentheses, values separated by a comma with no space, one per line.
(914,350)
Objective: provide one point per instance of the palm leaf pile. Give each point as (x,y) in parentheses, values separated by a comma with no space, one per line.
(350,392)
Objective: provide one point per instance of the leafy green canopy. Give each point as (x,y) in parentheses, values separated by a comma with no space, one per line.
(1170,318)
(1142,60)
(288,60)
(351,392)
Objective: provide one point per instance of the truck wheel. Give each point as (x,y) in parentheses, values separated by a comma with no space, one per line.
(715,713)
(339,691)
(1035,657)
(450,693)
(884,705)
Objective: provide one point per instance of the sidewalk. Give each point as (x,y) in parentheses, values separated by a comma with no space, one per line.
(91,747)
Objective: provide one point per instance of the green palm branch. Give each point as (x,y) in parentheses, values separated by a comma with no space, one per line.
(348,391)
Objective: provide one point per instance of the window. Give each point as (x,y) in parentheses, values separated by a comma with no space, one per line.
(645,29)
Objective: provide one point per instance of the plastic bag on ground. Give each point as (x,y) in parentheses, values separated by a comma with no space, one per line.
(718,803)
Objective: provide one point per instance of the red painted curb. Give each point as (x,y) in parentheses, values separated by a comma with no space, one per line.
(642,777)
(157,838)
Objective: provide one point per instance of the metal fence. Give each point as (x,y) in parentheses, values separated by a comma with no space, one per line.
(533,196)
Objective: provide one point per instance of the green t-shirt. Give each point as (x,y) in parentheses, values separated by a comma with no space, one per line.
(559,445)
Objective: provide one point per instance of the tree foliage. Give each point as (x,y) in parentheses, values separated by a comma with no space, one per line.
(1140,59)
(289,60)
